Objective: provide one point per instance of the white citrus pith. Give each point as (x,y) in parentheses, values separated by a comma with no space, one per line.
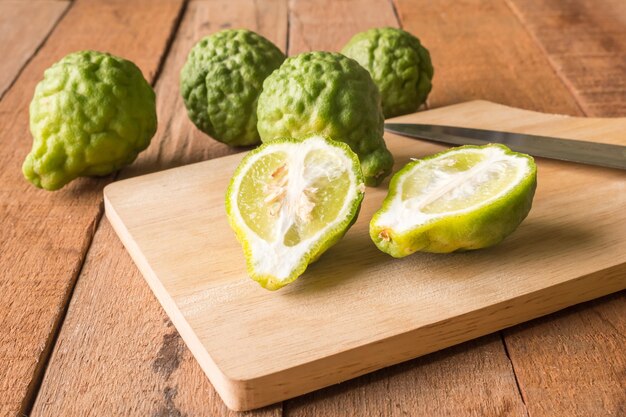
(289,201)
(465,198)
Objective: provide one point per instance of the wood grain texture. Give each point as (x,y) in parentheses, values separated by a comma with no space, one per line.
(118,353)
(44,236)
(445,383)
(344,397)
(360,310)
(143,366)
(480,50)
(329,25)
(584,41)
(573,363)
(23,27)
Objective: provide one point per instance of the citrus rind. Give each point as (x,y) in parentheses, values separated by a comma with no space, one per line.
(271,258)
(399,65)
(328,94)
(221,81)
(428,223)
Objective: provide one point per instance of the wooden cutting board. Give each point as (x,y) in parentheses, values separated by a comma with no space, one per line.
(357,310)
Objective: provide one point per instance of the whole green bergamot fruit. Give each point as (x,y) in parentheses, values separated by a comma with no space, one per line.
(399,65)
(91,114)
(328,94)
(221,82)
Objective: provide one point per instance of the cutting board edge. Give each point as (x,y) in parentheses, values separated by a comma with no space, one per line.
(112,187)
(247,391)
(518,111)
(272,388)
(220,381)
(242,393)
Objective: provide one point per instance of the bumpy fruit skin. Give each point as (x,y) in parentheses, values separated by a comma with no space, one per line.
(91,114)
(398,63)
(331,95)
(221,82)
(479,229)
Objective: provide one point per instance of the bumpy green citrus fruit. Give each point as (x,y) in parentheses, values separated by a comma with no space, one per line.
(399,65)
(221,81)
(465,198)
(289,201)
(327,94)
(91,114)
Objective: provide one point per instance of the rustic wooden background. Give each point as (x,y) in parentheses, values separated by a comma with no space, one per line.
(81,333)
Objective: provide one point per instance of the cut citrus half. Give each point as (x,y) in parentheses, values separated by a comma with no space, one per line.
(289,201)
(465,198)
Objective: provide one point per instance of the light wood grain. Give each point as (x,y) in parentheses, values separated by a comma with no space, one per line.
(23,27)
(479,50)
(118,353)
(143,366)
(44,236)
(584,41)
(189,396)
(585,48)
(350,314)
(327,25)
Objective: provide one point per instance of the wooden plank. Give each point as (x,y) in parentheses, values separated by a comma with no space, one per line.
(329,25)
(481,51)
(142,365)
(118,353)
(573,363)
(44,236)
(435,385)
(584,41)
(23,28)
(358,310)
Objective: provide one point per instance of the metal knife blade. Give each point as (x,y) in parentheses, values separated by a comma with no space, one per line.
(602,154)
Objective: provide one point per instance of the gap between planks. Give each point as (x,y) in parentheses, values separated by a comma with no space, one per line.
(288,45)
(581,107)
(42,42)
(35,383)
(570,88)
(57,330)
(144,163)
(517,383)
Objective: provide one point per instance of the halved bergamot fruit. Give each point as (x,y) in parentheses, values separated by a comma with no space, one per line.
(469,197)
(289,201)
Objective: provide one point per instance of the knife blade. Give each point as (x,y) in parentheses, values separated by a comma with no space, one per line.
(602,154)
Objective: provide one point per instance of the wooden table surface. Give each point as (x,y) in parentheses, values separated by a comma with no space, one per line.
(80,331)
